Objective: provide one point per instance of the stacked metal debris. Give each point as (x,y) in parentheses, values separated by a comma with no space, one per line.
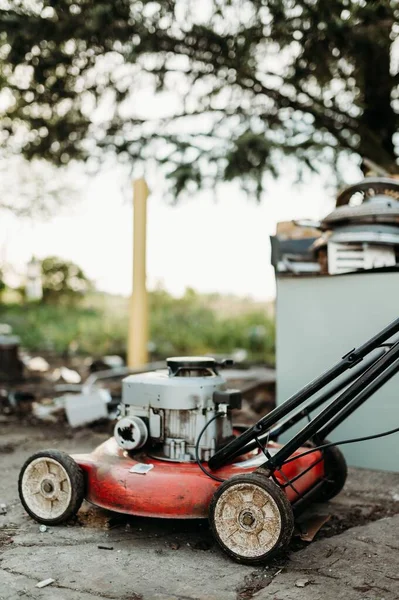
(292,251)
(361,233)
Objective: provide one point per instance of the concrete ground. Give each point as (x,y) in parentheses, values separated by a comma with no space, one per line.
(354,556)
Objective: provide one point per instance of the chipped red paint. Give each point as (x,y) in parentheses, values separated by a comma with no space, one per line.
(170,489)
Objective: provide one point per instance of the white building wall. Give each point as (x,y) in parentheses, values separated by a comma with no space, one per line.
(319,319)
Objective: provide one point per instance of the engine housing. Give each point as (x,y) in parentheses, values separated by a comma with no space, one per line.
(165,411)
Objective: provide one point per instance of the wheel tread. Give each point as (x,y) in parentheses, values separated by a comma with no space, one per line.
(287,517)
(77,479)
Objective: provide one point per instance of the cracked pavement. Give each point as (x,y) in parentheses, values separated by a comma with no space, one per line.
(153,559)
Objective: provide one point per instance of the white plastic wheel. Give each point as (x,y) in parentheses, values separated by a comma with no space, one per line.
(51,486)
(251,518)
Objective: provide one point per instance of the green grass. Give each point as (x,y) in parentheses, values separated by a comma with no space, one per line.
(187,325)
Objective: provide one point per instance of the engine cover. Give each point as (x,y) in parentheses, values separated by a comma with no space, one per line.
(175,404)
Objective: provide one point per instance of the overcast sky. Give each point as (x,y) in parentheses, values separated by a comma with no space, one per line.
(210,245)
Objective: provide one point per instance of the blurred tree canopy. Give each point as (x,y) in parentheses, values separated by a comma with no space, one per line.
(63,282)
(3,286)
(242,83)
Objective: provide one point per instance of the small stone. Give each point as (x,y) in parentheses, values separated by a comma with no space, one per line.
(174,545)
(3,509)
(45,582)
(42,528)
(301,583)
(102,547)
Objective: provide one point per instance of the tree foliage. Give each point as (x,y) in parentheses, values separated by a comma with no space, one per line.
(3,285)
(189,325)
(243,83)
(63,282)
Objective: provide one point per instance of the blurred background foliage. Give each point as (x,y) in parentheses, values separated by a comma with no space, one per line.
(74,318)
(243,84)
(63,282)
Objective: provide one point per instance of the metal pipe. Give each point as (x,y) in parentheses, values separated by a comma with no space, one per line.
(307,432)
(347,362)
(359,400)
(285,425)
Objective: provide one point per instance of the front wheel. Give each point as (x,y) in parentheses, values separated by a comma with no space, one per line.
(51,487)
(251,518)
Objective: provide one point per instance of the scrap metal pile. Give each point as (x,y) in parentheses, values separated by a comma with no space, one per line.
(88,390)
(361,233)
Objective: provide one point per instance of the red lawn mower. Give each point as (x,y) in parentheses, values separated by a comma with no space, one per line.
(175,453)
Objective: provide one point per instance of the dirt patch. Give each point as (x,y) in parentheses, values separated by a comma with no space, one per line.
(258,580)
(6,538)
(91,516)
(344,519)
(357,516)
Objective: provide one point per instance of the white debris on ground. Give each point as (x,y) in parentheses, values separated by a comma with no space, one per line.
(82,409)
(67,375)
(37,363)
(45,582)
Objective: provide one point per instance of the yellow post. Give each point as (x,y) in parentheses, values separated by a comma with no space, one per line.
(138,319)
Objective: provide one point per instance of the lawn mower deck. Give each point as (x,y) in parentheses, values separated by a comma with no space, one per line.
(173,490)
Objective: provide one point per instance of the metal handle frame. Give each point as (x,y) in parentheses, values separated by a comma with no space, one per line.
(364,382)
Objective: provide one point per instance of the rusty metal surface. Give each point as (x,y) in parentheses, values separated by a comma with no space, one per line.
(386,186)
(170,489)
(376,210)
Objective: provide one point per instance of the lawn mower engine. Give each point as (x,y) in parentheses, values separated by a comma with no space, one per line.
(164,412)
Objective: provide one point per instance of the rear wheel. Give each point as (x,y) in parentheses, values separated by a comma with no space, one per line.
(251,518)
(51,487)
(336,472)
